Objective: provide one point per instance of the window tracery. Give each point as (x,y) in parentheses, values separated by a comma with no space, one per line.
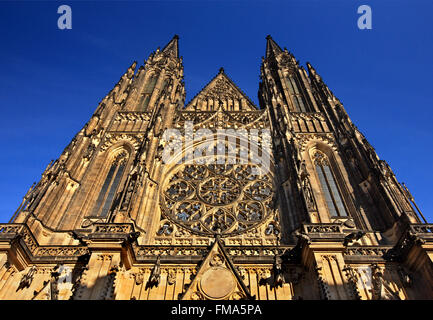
(297,94)
(148,89)
(329,185)
(110,186)
(217,198)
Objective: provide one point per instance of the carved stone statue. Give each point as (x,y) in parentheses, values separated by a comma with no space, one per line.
(303,173)
(89,151)
(308,194)
(128,193)
(380,288)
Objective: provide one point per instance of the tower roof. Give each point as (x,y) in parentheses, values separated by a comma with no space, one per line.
(172,48)
(272,48)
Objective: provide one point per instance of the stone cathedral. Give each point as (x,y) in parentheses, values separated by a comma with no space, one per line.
(111,219)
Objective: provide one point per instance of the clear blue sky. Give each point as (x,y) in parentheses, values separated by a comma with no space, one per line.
(51,80)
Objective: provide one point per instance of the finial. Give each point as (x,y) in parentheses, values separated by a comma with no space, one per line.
(221,70)
(176,37)
(310,68)
(268,37)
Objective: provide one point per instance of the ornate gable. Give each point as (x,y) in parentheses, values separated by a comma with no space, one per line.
(217,278)
(221,90)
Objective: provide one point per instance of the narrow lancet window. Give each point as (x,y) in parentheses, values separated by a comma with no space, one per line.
(148,89)
(109,187)
(329,186)
(296,95)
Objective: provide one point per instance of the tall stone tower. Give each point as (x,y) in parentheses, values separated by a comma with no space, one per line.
(155,198)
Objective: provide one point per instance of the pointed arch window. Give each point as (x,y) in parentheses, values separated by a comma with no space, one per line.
(328,184)
(111,183)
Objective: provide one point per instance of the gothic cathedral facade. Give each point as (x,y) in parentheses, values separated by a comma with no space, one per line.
(111,218)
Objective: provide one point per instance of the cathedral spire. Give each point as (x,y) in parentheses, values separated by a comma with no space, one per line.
(131,70)
(172,48)
(316,78)
(313,72)
(272,48)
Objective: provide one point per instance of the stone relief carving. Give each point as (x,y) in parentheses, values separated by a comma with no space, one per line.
(112,138)
(222,89)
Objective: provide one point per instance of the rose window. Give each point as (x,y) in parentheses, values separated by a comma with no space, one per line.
(209,199)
